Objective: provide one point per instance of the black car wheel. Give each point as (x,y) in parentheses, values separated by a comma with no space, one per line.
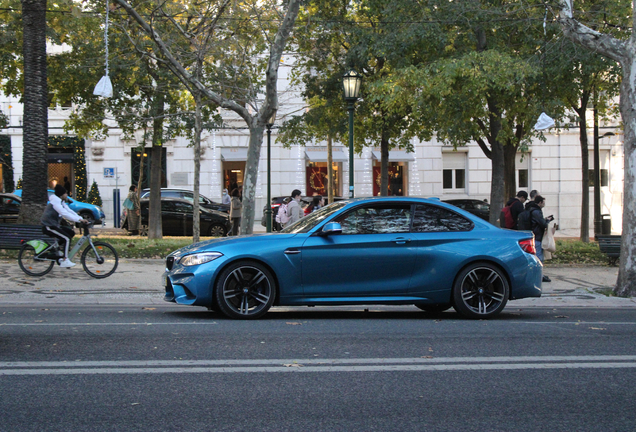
(217,230)
(88,216)
(480,291)
(245,290)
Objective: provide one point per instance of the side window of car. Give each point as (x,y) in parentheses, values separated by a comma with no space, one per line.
(377,220)
(183,207)
(171,194)
(187,195)
(429,218)
(167,206)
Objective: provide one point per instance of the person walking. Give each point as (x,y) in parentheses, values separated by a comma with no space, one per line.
(539,225)
(516,207)
(293,208)
(317,202)
(133,215)
(235,212)
(226,197)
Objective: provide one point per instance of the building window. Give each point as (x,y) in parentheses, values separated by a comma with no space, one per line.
(522,180)
(604,174)
(454,172)
(396,177)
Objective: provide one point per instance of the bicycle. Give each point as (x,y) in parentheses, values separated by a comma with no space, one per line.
(99,259)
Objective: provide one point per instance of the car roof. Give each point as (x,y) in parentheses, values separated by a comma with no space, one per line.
(10,195)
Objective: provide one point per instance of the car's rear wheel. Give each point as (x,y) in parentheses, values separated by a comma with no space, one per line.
(245,290)
(217,230)
(433,308)
(480,290)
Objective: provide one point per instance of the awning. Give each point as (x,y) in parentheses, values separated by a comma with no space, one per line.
(395,156)
(321,156)
(234,154)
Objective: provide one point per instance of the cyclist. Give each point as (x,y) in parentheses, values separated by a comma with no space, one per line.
(54,211)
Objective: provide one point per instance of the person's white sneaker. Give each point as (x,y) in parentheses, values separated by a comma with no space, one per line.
(66,263)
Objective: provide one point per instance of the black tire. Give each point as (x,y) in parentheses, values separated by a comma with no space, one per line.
(480,291)
(103,266)
(30,265)
(217,230)
(245,290)
(433,308)
(89,217)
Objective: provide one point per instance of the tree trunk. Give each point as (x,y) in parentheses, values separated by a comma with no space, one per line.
(196,218)
(155,229)
(623,53)
(510,171)
(585,175)
(626,284)
(497,199)
(329,170)
(384,166)
(249,180)
(36,123)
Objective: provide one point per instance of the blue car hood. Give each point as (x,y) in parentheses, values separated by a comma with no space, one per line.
(217,245)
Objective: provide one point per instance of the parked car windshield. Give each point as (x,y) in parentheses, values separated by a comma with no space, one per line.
(308,222)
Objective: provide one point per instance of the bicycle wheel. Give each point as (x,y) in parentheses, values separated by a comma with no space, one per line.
(101,265)
(30,264)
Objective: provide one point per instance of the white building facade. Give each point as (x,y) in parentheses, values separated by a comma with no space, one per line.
(432,170)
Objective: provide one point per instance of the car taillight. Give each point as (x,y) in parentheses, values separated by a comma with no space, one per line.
(528,246)
(275,206)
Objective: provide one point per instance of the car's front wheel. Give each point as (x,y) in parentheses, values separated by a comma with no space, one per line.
(480,290)
(88,216)
(217,230)
(245,290)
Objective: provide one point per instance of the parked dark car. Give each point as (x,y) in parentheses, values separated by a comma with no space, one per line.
(189,195)
(477,207)
(9,207)
(176,218)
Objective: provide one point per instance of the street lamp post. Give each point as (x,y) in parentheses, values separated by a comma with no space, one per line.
(351,82)
(268,208)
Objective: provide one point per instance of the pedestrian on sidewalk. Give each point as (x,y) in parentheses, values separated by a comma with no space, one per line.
(539,226)
(293,208)
(133,215)
(235,212)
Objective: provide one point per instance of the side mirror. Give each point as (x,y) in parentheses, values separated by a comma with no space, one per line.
(331,228)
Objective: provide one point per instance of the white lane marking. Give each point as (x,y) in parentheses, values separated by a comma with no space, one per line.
(314,361)
(332,369)
(317,365)
(450,321)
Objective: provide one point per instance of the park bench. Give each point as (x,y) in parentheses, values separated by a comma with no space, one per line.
(11,235)
(610,245)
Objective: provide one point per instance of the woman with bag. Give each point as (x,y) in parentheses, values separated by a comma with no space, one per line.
(133,210)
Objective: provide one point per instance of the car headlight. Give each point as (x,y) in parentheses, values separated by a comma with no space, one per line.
(200,258)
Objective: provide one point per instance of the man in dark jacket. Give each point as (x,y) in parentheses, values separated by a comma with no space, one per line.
(516,206)
(539,225)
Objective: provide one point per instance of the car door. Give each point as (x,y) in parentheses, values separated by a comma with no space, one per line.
(441,238)
(372,257)
(184,211)
(170,219)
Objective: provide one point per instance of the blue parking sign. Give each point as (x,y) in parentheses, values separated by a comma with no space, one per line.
(109,172)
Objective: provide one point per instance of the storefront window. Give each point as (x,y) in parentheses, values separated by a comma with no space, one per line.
(397,179)
(316,179)
(233,173)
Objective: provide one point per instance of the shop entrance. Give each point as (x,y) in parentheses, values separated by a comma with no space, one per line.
(233,173)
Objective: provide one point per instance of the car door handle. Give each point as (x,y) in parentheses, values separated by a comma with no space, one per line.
(401,240)
(292,251)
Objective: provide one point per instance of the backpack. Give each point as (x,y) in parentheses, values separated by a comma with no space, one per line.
(282,217)
(505,218)
(524,221)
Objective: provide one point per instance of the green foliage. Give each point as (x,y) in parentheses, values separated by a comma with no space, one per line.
(6,160)
(94,196)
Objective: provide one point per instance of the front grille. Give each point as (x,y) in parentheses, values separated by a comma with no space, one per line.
(169,263)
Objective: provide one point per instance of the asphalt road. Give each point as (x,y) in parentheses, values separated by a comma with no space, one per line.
(169,368)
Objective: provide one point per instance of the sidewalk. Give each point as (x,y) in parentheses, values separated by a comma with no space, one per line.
(138,282)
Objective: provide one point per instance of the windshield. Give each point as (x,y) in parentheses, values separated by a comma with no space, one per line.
(307,223)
